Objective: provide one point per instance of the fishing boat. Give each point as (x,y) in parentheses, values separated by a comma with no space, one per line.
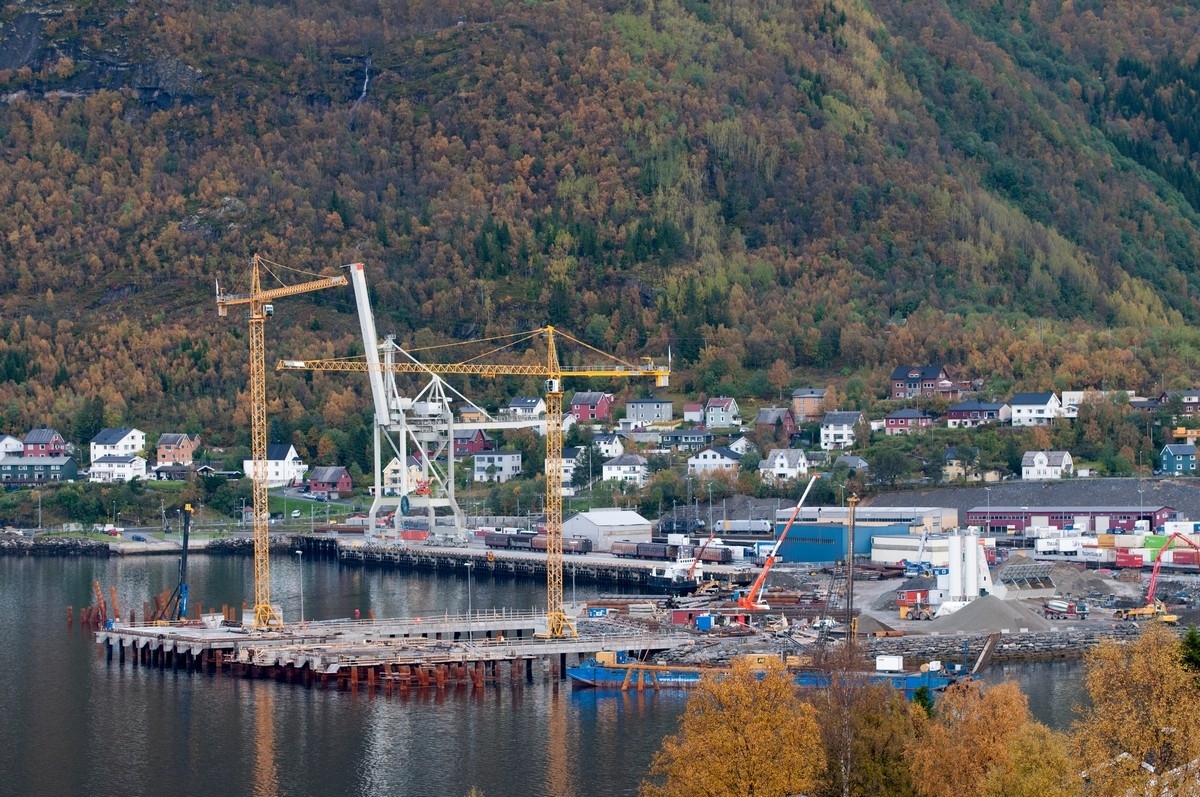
(609,670)
(682,577)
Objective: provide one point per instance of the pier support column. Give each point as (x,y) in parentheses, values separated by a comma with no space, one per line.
(529,671)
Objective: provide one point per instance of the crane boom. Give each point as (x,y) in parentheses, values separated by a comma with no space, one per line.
(1175,537)
(258,300)
(752,599)
(553,372)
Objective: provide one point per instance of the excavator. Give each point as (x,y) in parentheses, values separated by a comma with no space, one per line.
(753,597)
(1155,609)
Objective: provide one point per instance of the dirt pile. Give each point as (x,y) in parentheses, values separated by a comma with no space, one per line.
(990,614)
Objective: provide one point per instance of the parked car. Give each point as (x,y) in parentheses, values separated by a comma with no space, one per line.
(138,538)
(295,514)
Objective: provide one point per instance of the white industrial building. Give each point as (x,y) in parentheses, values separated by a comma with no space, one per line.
(604,526)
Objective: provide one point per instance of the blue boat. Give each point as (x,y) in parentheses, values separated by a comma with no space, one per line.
(619,671)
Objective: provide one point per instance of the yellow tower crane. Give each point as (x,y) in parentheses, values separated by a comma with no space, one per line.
(559,625)
(260,307)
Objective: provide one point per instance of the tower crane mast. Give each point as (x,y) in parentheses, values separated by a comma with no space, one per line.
(553,372)
(259,303)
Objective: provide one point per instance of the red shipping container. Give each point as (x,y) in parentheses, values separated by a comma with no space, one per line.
(1128,559)
(1183,557)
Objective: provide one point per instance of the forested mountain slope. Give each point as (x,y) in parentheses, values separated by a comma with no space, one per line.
(826,188)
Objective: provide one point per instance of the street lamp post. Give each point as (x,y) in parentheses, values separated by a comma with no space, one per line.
(300,553)
(470,624)
(39,495)
(988,530)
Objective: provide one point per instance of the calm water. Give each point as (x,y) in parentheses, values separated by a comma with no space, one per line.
(71,724)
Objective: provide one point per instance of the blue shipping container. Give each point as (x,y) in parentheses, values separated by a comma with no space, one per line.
(598,612)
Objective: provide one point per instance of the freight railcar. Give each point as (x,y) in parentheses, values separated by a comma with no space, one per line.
(657,550)
(569,544)
(626,549)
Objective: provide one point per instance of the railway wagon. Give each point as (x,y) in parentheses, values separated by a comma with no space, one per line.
(569,544)
(624,548)
(719,556)
(657,550)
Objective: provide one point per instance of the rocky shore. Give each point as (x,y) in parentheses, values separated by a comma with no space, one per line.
(52,546)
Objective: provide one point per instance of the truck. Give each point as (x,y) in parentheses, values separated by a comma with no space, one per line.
(1062,609)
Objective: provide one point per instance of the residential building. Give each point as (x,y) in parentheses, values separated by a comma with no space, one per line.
(392,477)
(643,412)
(332,481)
(284,466)
(808,403)
(686,439)
(112,468)
(176,449)
(591,406)
(11,446)
(782,464)
(37,470)
(45,442)
(905,421)
(1042,465)
(1188,399)
(469,442)
(855,463)
(171,473)
(717,459)
(1178,458)
(837,429)
(497,466)
(609,445)
(909,381)
(629,468)
(722,413)
(523,407)
(741,446)
(771,421)
(1035,409)
(970,414)
(572,456)
(693,413)
(472,414)
(119,442)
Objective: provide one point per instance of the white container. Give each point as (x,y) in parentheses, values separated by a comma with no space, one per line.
(889,664)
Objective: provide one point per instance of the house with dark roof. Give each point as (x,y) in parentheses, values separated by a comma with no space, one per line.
(176,449)
(117,442)
(905,421)
(45,442)
(590,406)
(629,468)
(643,412)
(970,414)
(770,420)
(837,429)
(1189,400)
(1034,409)
(284,466)
(782,464)
(525,407)
(717,459)
(37,470)
(332,481)
(910,381)
(469,442)
(807,403)
(1177,458)
(686,439)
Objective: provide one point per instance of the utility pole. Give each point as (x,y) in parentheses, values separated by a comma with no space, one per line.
(710,521)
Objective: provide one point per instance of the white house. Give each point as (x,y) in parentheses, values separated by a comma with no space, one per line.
(782,464)
(1035,409)
(1072,399)
(837,429)
(693,413)
(741,445)
(497,466)
(714,460)
(11,446)
(609,445)
(1042,465)
(571,457)
(284,466)
(117,468)
(630,468)
(721,413)
(523,407)
(120,442)
(643,412)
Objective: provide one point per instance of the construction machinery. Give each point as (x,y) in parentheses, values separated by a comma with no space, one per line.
(753,597)
(260,307)
(918,567)
(552,372)
(1155,609)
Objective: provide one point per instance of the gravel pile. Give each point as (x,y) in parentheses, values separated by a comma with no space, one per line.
(990,614)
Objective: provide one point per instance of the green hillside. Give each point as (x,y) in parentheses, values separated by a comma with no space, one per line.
(779,193)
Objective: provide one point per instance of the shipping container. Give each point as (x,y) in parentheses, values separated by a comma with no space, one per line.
(1183,557)
(1127,559)
(1105,540)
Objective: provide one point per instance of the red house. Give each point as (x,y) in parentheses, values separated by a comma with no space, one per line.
(591,406)
(905,421)
(44,443)
(469,442)
(333,481)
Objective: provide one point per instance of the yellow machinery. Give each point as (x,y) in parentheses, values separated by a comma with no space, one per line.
(553,372)
(1156,610)
(260,307)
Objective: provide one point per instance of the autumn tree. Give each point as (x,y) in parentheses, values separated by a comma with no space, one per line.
(748,733)
(972,727)
(1144,719)
(1038,765)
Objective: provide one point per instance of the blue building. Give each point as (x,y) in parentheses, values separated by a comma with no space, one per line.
(1178,458)
(825,541)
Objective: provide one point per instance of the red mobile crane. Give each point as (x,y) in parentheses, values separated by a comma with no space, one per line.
(752,598)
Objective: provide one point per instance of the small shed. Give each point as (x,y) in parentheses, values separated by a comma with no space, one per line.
(603,526)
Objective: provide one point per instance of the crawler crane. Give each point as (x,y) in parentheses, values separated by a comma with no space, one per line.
(559,625)
(259,302)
